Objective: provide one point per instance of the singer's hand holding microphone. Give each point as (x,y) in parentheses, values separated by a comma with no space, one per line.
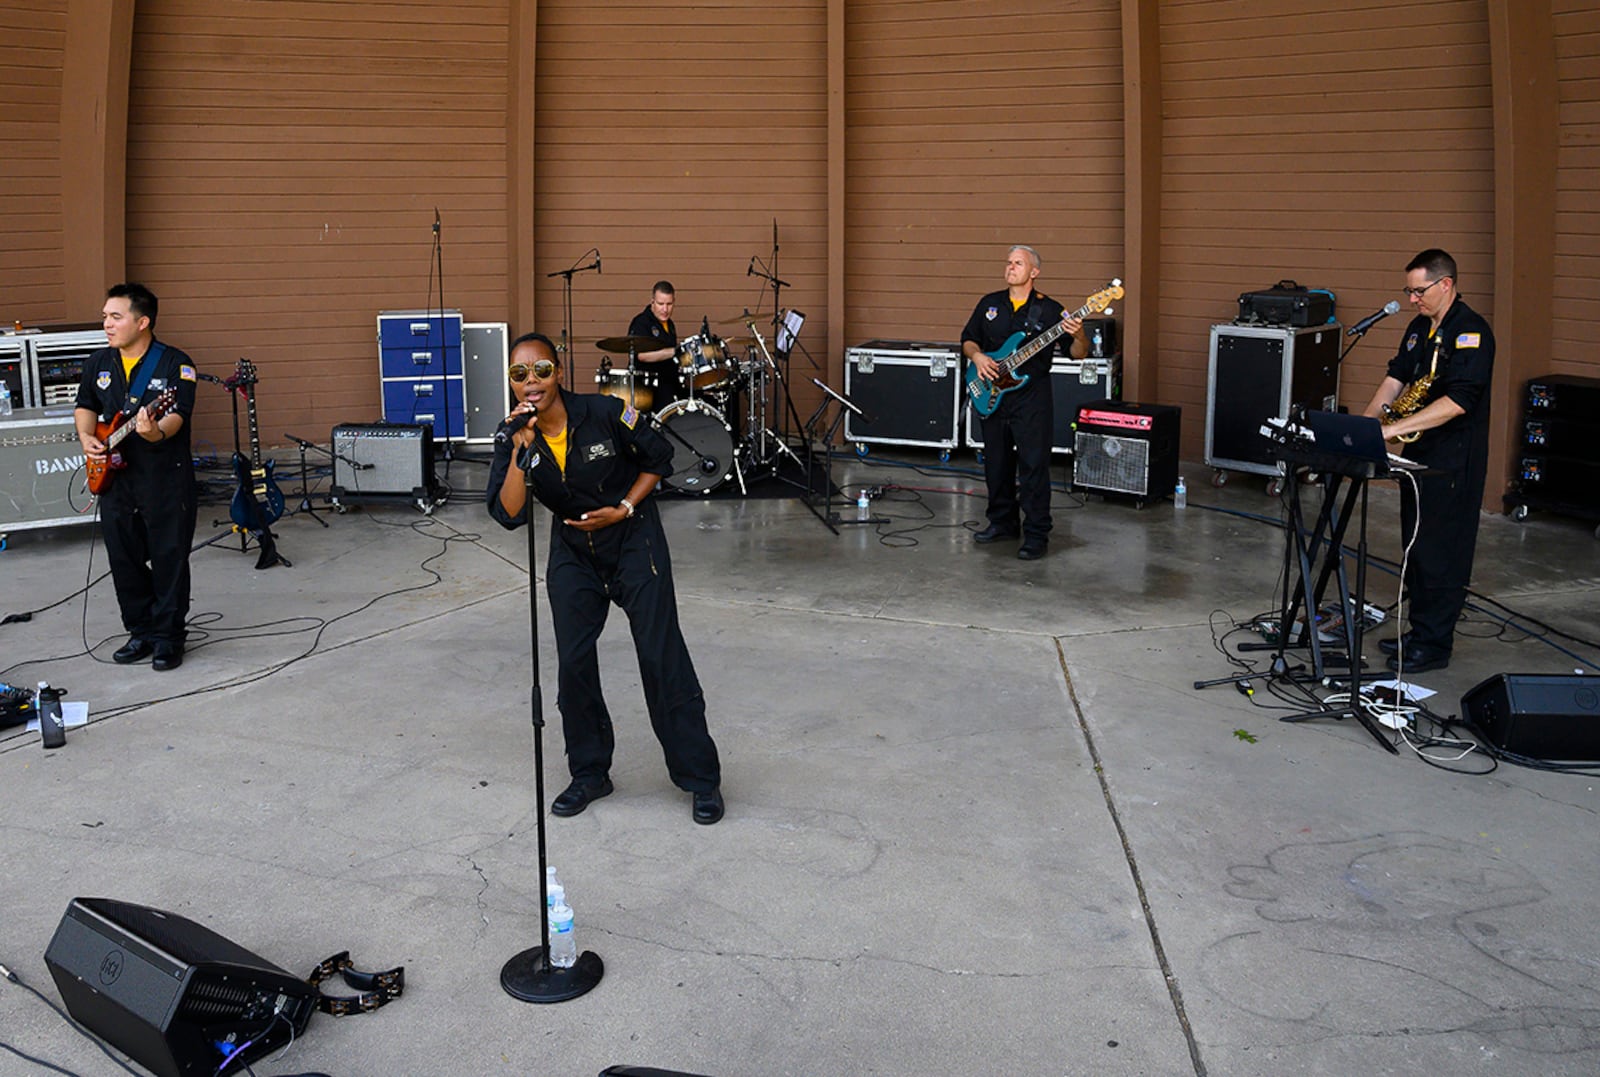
(516,429)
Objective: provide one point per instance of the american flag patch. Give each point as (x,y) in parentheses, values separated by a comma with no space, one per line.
(186,372)
(1468,340)
(630,416)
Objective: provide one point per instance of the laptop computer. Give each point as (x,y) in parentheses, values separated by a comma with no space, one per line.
(1355,438)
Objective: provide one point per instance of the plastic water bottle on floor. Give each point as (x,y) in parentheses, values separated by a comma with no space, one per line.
(863,505)
(1180,495)
(554,893)
(5,397)
(563,943)
(48,705)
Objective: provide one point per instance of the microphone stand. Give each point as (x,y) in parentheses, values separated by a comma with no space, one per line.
(566,276)
(529,975)
(305,487)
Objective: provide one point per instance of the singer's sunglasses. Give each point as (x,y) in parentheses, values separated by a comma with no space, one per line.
(542,368)
(1418,293)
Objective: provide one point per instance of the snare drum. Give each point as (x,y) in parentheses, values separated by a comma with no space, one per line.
(636,388)
(703,362)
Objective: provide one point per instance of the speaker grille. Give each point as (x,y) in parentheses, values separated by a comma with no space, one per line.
(1120,465)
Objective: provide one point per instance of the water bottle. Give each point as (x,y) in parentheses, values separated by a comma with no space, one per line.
(554,893)
(47,703)
(1097,345)
(563,944)
(1180,495)
(863,506)
(5,397)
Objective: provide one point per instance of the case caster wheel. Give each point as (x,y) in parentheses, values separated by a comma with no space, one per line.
(1519,513)
(978,455)
(1274,487)
(862,448)
(944,456)
(1219,479)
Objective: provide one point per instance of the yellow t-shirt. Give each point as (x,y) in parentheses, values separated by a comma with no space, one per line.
(558,449)
(128,363)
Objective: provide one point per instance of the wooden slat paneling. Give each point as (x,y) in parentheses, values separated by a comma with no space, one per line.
(284,164)
(32,51)
(1576,283)
(671,138)
(1323,141)
(955,150)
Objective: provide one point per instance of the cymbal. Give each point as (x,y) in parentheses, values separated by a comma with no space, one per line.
(741,342)
(743,319)
(624,345)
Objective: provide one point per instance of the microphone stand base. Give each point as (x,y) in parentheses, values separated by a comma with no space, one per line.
(529,977)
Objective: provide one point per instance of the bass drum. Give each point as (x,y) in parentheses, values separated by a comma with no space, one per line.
(702,446)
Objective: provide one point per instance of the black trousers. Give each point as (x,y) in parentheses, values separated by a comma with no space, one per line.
(148,518)
(1440,565)
(1016,460)
(581,594)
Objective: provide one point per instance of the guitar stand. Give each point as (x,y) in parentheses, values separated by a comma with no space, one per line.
(306,505)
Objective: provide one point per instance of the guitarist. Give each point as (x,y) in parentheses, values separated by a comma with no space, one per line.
(1016,438)
(147,512)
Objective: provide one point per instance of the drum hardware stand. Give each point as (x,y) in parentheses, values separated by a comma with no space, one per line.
(529,975)
(306,505)
(564,349)
(779,441)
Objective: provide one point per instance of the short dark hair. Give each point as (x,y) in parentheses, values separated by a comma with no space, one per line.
(1436,262)
(532,338)
(664,287)
(141,300)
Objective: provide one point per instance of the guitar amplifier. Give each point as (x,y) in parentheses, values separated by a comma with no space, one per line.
(384,462)
(1126,448)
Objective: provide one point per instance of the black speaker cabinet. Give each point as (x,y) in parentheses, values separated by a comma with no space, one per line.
(176,997)
(383,462)
(1257,373)
(1126,448)
(1544,716)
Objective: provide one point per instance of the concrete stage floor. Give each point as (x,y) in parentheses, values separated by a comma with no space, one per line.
(979,820)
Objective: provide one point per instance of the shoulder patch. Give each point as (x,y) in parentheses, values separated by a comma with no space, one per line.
(103,380)
(186,372)
(630,416)
(992,313)
(1411,342)
(1468,340)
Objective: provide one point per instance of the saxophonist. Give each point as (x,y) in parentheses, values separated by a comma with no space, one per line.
(1436,398)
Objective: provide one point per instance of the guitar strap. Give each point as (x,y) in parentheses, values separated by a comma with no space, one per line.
(142,375)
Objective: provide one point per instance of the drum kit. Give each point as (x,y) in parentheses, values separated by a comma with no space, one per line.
(718,426)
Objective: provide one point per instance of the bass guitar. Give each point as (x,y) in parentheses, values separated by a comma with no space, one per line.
(985,395)
(258,502)
(100,469)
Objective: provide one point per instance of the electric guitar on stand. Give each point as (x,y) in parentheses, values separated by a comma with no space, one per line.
(985,395)
(100,470)
(258,502)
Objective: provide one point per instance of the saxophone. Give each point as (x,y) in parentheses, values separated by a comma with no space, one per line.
(1411,397)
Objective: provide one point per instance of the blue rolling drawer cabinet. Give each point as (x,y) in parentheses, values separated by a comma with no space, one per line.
(420,364)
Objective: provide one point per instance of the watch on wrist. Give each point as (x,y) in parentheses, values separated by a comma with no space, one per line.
(626,505)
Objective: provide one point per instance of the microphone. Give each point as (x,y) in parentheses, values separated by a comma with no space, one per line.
(750,270)
(705,326)
(1361,327)
(435,220)
(597,270)
(503,435)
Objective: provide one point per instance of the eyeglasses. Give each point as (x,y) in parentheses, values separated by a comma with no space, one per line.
(1418,293)
(541,368)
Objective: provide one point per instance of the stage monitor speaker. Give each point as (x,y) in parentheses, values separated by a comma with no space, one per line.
(383,461)
(1126,448)
(1552,716)
(176,997)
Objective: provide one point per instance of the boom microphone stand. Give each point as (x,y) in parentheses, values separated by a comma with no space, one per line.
(529,975)
(566,275)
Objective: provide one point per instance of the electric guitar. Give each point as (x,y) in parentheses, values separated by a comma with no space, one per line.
(100,469)
(258,502)
(985,395)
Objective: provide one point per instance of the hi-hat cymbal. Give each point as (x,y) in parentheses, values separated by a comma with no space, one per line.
(743,319)
(624,345)
(741,342)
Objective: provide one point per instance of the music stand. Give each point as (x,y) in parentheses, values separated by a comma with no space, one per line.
(832,519)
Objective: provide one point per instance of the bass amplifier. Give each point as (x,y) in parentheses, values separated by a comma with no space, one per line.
(176,997)
(1543,716)
(1126,448)
(384,462)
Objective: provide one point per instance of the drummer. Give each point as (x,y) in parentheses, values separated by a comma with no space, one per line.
(655,322)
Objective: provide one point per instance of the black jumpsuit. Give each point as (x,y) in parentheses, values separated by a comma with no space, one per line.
(1016,438)
(646,324)
(147,513)
(608,445)
(1457,454)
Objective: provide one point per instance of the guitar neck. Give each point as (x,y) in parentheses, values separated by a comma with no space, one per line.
(1041,342)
